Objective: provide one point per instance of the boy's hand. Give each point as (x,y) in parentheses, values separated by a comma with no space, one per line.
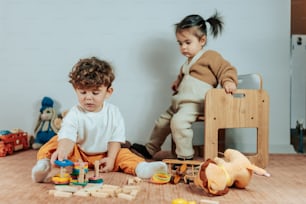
(58,155)
(107,164)
(63,150)
(229,87)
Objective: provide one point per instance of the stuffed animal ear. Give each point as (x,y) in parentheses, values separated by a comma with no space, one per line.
(257,170)
(217,180)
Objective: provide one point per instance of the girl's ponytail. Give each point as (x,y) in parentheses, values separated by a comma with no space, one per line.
(216,24)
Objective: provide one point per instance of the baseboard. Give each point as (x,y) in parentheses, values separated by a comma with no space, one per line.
(274,149)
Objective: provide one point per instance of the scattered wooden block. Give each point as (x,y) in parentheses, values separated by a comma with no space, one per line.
(82,193)
(62,194)
(204,201)
(125,196)
(100,194)
(127,192)
(67,188)
(134,181)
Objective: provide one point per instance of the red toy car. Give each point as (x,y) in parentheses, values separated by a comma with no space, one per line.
(11,142)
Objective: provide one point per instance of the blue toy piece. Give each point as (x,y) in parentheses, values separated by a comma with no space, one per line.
(4,132)
(63,163)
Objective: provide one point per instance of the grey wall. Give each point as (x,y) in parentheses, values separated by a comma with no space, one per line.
(41,40)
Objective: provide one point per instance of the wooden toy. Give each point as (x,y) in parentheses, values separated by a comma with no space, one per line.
(78,165)
(63,177)
(96,178)
(205,201)
(11,141)
(127,192)
(134,181)
(81,169)
(186,170)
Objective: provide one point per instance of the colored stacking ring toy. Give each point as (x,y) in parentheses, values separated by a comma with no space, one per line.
(76,168)
(63,163)
(160,178)
(58,180)
(95,180)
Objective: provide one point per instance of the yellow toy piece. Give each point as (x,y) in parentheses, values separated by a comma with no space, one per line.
(182,201)
(61,179)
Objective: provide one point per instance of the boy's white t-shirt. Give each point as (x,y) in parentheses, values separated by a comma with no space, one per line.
(92,131)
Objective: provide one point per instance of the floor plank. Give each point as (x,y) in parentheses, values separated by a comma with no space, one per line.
(286,185)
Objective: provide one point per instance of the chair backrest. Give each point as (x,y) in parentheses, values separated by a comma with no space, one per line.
(248,107)
(250,81)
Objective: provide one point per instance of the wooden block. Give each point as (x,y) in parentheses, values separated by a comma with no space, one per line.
(108,186)
(129,189)
(62,194)
(204,201)
(92,189)
(67,188)
(125,196)
(82,193)
(134,193)
(51,192)
(100,194)
(133,181)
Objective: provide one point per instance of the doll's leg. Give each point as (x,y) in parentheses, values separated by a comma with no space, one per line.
(182,131)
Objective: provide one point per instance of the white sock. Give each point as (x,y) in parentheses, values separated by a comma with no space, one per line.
(41,170)
(147,169)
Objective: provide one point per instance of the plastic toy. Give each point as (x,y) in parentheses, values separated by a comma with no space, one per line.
(11,141)
(234,170)
(160,178)
(45,128)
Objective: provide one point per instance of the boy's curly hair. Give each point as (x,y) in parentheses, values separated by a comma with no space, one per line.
(91,73)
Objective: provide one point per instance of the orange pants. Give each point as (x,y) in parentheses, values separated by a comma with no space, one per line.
(126,161)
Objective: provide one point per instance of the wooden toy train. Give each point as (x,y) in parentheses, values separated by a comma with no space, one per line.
(13,141)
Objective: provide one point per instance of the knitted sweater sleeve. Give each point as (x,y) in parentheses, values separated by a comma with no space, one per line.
(213,69)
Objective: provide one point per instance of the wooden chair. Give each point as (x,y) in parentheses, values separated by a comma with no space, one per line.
(247,108)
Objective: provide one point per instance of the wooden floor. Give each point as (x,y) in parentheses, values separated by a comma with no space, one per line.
(287,185)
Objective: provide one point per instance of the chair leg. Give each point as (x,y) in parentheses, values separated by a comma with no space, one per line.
(221,140)
(173,146)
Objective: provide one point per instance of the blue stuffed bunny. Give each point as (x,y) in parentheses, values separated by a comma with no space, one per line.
(45,128)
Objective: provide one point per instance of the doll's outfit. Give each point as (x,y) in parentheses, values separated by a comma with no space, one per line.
(206,70)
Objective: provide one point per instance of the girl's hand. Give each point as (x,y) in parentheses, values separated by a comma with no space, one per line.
(229,87)
(107,164)
(175,86)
